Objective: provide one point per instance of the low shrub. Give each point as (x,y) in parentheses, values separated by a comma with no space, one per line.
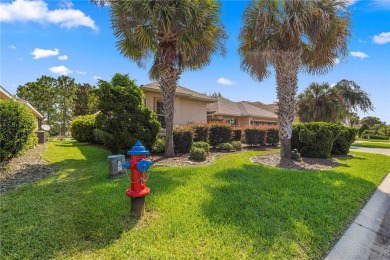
(344,140)
(272,136)
(255,135)
(159,145)
(363,128)
(82,128)
(237,134)
(201,132)
(17,126)
(182,139)
(100,137)
(237,145)
(219,133)
(295,142)
(225,147)
(379,137)
(198,154)
(205,146)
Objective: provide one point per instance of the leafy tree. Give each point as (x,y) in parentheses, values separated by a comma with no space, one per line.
(42,95)
(66,91)
(291,36)
(371,121)
(320,103)
(179,34)
(123,115)
(85,101)
(354,119)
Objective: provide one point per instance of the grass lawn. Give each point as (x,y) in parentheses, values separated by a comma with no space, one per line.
(231,209)
(373,140)
(372,145)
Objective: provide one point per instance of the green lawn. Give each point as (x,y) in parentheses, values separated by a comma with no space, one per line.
(232,209)
(373,140)
(372,145)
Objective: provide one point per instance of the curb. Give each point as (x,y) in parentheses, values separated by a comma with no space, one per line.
(358,240)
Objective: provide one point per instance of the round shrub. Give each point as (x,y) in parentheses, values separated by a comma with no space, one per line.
(220,133)
(17,126)
(182,139)
(344,140)
(159,145)
(201,132)
(198,154)
(237,145)
(205,146)
(82,128)
(225,147)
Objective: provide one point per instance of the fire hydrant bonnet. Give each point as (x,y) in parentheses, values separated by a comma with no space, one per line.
(138,149)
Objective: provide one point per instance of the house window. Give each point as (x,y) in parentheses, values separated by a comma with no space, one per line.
(257,122)
(160,113)
(231,121)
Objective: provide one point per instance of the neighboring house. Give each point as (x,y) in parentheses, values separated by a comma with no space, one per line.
(5,95)
(190,106)
(242,113)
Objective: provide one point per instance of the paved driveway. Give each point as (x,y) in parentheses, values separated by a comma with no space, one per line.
(370,150)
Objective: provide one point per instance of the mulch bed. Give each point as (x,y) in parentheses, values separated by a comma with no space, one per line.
(182,159)
(27,168)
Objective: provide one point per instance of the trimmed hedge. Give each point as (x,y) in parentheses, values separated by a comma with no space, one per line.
(220,133)
(225,147)
(201,132)
(82,128)
(344,140)
(255,135)
(205,146)
(182,139)
(272,136)
(237,134)
(198,154)
(17,126)
(380,137)
(159,145)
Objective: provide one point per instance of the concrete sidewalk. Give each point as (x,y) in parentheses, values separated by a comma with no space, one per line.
(370,150)
(368,237)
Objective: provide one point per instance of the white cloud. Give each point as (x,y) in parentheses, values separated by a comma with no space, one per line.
(41,53)
(12,46)
(37,11)
(359,54)
(63,57)
(97,77)
(382,38)
(66,4)
(61,70)
(226,82)
(81,72)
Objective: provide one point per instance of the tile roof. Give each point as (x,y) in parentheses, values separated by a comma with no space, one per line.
(229,108)
(269,107)
(180,91)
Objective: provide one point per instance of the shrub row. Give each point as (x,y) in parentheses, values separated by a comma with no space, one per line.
(373,136)
(320,139)
(261,135)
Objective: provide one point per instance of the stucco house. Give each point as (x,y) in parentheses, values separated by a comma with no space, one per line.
(190,106)
(242,113)
(5,95)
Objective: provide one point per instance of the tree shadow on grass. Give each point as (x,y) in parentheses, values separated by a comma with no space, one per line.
(287,212)
(77,209)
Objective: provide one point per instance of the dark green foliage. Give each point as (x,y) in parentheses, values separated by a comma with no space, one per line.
(82,128)
(272,136)
(123,116)
(380,137)
(159,145)
(205,146)
(17,126)
(182,139)
(344,140)
(237,134)
(295,143)
(201,132)
(363,128)
(255,135)
(99,136)
(237,145)
(316,139)
(220,133)
(198,154)
(225,147)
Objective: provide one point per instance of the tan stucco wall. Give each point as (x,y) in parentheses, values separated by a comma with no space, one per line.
(186,111)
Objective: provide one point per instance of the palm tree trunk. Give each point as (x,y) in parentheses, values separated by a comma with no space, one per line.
(287,66)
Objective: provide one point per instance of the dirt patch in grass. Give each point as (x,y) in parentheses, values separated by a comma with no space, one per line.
(27,168)
(304,164)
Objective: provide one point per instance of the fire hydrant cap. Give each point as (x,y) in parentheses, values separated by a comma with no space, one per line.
(138,149)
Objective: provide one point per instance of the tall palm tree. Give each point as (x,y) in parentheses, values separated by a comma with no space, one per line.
(177,34)
(320,102)
(294,35)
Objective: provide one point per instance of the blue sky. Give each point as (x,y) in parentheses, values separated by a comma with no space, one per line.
(75,38)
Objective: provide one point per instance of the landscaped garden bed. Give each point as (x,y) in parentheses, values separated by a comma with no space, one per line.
(231,208)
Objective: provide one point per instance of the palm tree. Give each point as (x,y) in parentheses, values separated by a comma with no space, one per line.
(177,34)
(291,36)
(320,102)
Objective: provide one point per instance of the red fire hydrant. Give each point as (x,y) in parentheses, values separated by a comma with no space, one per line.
(138,189)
